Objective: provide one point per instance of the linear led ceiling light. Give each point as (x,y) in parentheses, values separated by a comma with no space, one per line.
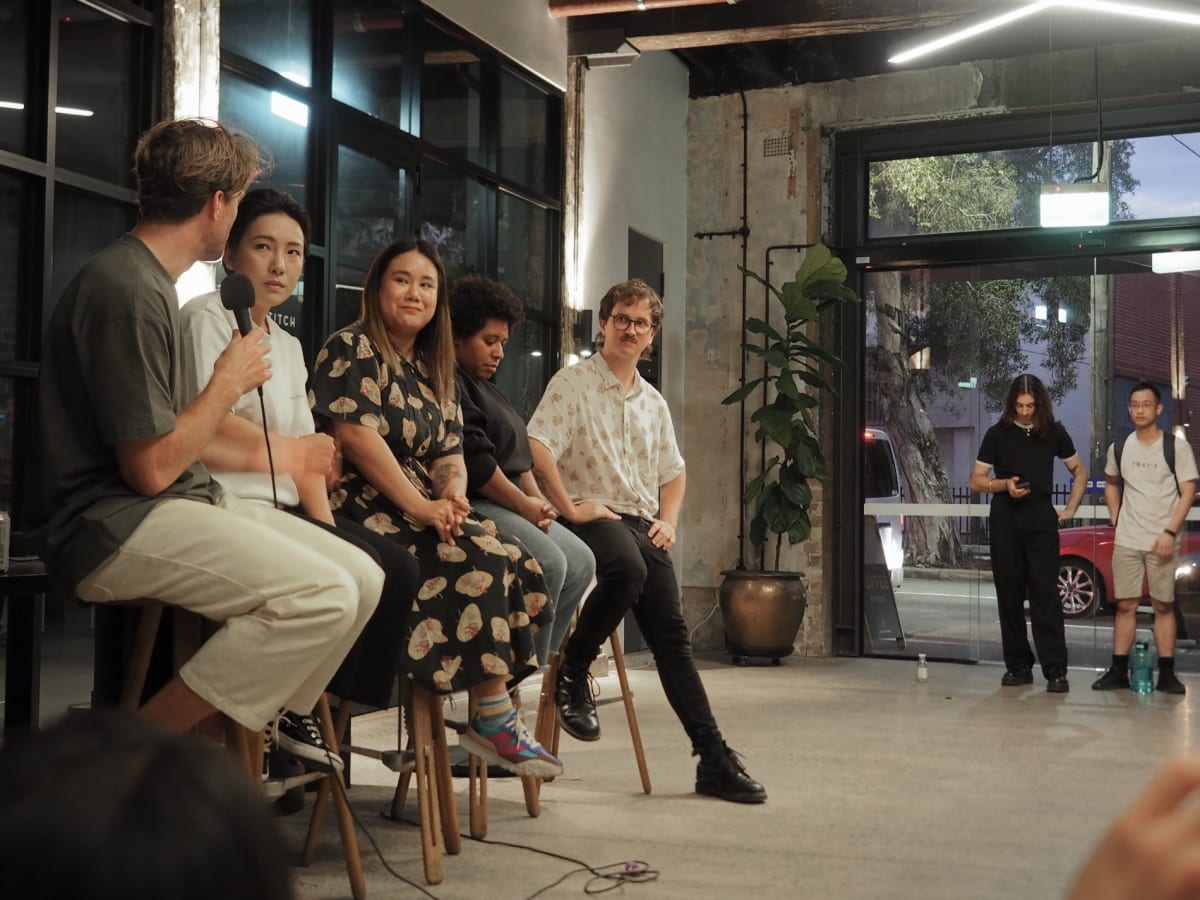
(1082,205)
(1176,261)
(1135,10)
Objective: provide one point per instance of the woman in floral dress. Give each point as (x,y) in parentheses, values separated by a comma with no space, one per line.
(386,386)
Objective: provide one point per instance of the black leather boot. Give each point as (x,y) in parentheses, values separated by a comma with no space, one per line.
(720,774)
(574,704)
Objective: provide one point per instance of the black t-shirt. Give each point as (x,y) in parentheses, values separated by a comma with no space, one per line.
(109,373)
(494,435)
(1011,450)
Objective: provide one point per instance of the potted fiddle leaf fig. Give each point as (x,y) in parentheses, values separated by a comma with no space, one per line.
(764,608)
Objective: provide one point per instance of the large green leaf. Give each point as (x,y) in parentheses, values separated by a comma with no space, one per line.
(758,326)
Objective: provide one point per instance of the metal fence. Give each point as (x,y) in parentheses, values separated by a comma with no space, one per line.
(975,530)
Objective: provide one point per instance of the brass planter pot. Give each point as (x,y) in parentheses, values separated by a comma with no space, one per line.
(763,612)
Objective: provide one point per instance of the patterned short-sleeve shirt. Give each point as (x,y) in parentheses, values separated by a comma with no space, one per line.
(613,446)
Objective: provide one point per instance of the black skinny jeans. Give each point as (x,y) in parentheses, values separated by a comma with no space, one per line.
(631,573)
(368,674)
(1025,563)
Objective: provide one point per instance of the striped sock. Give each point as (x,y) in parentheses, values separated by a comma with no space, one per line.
(494,713)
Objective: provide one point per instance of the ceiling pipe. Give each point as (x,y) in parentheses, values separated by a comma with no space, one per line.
(563,8)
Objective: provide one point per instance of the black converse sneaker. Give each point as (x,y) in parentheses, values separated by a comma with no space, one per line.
(299,736)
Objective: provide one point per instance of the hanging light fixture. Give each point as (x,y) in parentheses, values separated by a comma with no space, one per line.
(1134,10)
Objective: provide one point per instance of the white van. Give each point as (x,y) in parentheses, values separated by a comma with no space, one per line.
(881,484)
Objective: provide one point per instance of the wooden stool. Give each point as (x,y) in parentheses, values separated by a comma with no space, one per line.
(549,732)
(187,637)
(426,729)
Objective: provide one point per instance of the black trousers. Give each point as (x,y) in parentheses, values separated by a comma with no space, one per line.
(368,674)
(631,573)
(1025,564)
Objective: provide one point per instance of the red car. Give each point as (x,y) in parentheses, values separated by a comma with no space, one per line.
(1085,567)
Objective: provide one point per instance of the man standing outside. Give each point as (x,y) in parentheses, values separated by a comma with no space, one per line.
(126,511)
(605,454)
(1148,503)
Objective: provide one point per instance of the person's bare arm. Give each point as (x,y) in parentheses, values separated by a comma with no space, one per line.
(1078,485)
(533,507)
(151,465)
(368,451)
(662,532)
(545,470)
(983,483)
(240,446)
(1112,496)
(314,499)
(1164,544)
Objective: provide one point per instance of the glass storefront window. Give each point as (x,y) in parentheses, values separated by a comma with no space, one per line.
(276,34)
(8,390)
(99,92)
(14,77)
(449,214)
(528,152)
(83,225)
(369,43)
(1155,177)
(277,121)
(450,102)
(522,250)
(16,208)
(372,196)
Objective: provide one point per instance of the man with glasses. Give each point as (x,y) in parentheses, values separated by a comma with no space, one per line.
(604,453)
(1148,497)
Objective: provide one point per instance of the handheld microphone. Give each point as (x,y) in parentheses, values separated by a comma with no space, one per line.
(237,296)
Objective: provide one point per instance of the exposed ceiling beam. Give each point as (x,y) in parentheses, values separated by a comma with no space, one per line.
(769,20)
(562,8)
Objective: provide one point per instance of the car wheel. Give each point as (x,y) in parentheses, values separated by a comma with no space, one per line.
(1079,588)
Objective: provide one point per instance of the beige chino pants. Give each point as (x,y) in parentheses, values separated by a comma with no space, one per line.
(291,599)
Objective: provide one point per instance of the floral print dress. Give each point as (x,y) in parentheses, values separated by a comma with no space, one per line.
(482,597)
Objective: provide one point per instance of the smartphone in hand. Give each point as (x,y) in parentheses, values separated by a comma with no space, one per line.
(1022,485)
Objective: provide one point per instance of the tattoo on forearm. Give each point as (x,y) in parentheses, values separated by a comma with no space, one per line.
(444,475)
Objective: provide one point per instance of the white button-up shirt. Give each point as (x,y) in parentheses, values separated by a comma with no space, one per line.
(612,446)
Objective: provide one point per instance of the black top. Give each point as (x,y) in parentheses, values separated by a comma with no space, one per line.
(494,435)
(1011,450)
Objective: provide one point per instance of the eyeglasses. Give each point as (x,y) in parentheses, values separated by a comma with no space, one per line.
(1137,406)
(640,326)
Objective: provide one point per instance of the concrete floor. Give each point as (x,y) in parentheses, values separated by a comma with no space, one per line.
(879,787)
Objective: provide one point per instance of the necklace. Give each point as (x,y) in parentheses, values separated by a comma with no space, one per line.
(1028,429)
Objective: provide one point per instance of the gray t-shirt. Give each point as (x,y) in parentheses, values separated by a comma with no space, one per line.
(1148,489)
(109,373)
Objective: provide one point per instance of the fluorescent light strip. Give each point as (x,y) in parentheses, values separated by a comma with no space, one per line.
(1176,261)
(971,31)
(1102,6)
(61,110)
(1130,9)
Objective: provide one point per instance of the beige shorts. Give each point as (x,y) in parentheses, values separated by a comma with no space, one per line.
(1130,567)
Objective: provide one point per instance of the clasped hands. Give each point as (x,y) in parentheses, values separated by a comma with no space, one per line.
(445,515)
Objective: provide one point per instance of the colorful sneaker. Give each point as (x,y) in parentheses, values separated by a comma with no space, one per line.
(511,747)
(299,736)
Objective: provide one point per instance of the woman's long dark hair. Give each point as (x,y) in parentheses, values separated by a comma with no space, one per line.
(1043,412)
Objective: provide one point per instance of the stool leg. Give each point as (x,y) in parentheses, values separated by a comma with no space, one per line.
(445,778)
(477,809)
(427,800)
(326,790)
(341,807)
(401,794)
(627,695)
(139,661)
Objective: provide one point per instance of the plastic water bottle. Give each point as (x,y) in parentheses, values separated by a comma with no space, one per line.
(1141,667)
(922,668)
